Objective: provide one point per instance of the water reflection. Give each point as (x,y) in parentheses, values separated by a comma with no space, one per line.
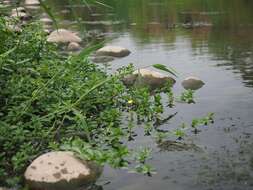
(224,28)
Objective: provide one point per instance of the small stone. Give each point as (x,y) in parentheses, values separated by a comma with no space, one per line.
(46,20)
(192,83)
(63,36)
(73,174)
(21,15)
(18,9)
(114,51)
(102,59)
(32,2)
(73,46)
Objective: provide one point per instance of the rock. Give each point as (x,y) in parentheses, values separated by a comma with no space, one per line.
(18,9)
(20,15)
(114,51)
(102,59)
(46,20)
(63,36)
(192,83)
(61,171)
(146,77)
(73,46)
(3,188)
(32,2)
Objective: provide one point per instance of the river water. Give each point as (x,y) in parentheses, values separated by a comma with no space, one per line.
(209,39)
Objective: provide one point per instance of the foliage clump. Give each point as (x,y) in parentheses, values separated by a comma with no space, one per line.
(50,101)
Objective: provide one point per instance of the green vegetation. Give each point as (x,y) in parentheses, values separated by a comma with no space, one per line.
(49,101)
(187,96)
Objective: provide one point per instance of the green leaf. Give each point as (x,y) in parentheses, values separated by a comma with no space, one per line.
(164,68)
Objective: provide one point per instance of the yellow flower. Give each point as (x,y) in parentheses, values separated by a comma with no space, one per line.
(130,101)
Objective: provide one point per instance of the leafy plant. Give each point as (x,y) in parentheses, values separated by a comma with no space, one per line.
(202,121)
(187,97)
(49,101)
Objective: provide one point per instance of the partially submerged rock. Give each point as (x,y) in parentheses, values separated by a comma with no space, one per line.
(63,36)
(73,46)
(192,83)
(102,59)
(114,51)
(61,171)
(149,78)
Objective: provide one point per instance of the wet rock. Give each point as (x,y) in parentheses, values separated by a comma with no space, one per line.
(32,2)
(146,77)
(178,146)
(192,83)
(114,51)
(61,171)
(73,46)
(63,36)
(102,59)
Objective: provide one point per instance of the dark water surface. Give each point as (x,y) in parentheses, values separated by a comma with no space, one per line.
(209,39)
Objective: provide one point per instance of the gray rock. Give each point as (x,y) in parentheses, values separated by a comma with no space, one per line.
(63,36)
(192,83)
(73,46)
(61,171)
(113,51)
(21,15)
(46,20)
(18,9)
(146,77)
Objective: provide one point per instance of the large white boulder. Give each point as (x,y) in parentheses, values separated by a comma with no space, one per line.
(61,171)
(192,83)
(63,36)
(150,78)
(114,51)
